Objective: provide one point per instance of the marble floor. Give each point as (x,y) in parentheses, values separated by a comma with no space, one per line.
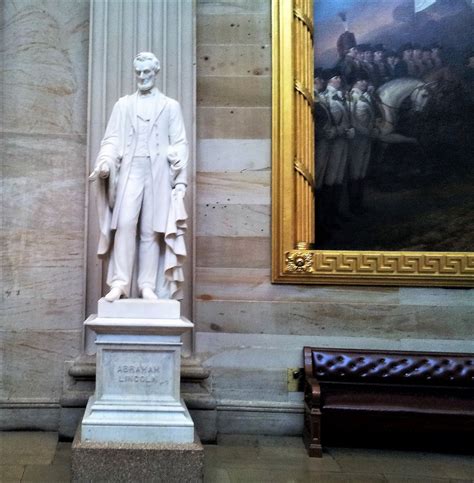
(39,457)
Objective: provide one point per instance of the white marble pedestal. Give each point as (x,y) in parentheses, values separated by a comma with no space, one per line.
(137,396)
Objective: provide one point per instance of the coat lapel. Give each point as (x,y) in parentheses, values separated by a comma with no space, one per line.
(132,110)
(158,106)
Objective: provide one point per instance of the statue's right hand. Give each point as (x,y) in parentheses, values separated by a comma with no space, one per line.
(100,171)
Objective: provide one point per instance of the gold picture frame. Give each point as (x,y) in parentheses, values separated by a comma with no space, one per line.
(293,260)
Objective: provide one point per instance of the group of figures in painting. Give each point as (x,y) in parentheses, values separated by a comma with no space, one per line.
(386,113)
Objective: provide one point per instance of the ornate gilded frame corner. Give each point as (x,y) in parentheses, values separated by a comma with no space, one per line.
(292,182)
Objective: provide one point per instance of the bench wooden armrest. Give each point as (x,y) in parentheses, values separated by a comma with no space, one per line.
(312,392)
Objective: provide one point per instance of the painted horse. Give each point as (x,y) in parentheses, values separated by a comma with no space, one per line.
(389,98)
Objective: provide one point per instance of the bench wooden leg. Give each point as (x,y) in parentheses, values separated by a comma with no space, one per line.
(312,432)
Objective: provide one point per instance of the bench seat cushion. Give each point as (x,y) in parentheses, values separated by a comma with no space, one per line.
(376,397)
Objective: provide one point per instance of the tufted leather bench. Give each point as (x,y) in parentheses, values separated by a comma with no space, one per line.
(388,398)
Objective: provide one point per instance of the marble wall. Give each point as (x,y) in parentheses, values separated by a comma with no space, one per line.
(43,98)
(250,331)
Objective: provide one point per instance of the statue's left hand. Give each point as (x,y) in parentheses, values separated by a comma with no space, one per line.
(179,191)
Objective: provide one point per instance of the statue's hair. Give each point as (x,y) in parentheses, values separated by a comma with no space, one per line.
(142,56)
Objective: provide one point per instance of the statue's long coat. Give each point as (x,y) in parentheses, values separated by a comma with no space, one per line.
(118,148)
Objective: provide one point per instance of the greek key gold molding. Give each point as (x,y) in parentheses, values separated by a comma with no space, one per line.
(380,264)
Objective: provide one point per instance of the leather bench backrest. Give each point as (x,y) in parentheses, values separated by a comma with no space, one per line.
(393,367)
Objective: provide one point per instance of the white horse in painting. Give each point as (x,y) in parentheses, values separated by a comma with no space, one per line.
(389,98)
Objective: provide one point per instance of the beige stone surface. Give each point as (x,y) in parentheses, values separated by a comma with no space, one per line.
(233,122)
(259,384)
(234,155)
(331,319)
(44,100)
(437,296)
(245,352)
(233,220)
(234,60)
(219,7)
(216,475)
(50,38)
(50,474)
(44,182)
(394,478)
(55,248)
(250,188)
(24,310)
(398,463)
(33,363)
(228,282)
(27,448)
(236,252)
(240,28)
(11,473)
(227,91)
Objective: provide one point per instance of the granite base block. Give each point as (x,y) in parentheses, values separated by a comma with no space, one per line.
(119,462)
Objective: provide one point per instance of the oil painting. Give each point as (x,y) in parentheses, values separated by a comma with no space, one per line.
(394,124)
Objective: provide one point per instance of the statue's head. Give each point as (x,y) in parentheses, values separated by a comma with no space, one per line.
(146,67)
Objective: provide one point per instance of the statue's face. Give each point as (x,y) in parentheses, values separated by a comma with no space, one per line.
(145,75)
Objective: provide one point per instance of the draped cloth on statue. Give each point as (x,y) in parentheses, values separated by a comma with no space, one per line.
(175,248)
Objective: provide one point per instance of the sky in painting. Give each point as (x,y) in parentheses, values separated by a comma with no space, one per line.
(328,26)
(392,22)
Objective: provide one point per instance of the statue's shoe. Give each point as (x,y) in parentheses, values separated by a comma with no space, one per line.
(114,294)
(148,294)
